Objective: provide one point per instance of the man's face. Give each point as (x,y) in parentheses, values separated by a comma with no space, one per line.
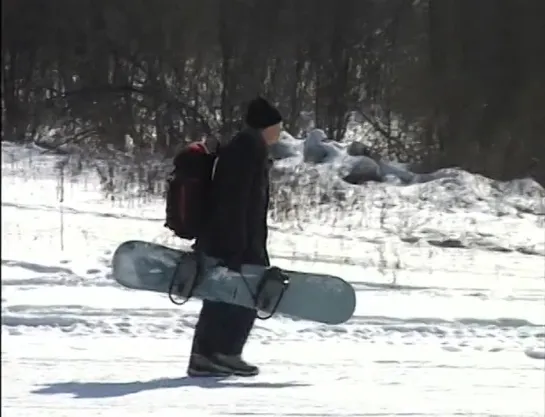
(271,134)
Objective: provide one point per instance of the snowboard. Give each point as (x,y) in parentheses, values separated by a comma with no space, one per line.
(148,266)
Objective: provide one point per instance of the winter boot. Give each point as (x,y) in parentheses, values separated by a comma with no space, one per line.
(202,366)
(236,364)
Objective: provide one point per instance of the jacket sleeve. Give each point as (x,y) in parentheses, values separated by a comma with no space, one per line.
(238,165)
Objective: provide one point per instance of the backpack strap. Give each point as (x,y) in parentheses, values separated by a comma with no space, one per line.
(213,174)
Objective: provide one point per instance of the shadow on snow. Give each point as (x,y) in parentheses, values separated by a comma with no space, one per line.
(40,269)
(120,389)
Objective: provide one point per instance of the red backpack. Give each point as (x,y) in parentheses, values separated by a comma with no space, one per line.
(187,190)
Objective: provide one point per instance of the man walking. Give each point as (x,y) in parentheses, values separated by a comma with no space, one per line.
(236,233)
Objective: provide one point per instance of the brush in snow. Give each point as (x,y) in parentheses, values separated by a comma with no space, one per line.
(151,267)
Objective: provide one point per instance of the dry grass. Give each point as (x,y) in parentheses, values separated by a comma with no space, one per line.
(372,225)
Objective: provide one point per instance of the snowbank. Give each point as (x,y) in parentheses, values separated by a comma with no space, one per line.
(329,162)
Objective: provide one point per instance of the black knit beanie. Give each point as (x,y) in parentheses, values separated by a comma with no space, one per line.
(261,114)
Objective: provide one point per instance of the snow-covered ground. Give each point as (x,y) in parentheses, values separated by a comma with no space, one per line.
(462,331)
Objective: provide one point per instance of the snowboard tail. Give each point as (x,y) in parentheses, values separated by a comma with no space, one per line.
(151,267)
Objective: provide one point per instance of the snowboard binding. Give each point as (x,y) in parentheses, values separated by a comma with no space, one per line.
(185,288)
(270,290)
(267,296)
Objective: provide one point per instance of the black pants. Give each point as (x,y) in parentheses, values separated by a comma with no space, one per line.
(222,328)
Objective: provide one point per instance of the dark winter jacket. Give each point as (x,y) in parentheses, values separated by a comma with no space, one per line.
(236,227)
